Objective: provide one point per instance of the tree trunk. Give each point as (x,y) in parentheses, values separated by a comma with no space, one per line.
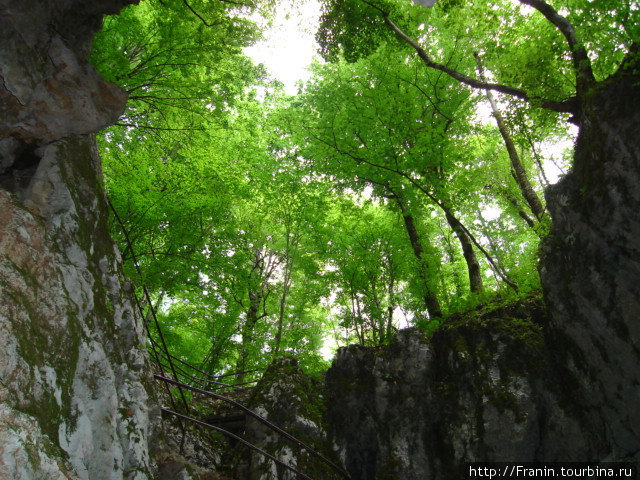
(286,283)
(391,303)
(377,319)
(358,320)
(517,170)
(473,266)
(247,340)
(430,299)
(256,294)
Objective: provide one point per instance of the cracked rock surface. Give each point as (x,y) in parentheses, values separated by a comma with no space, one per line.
(73,399)
(48,90)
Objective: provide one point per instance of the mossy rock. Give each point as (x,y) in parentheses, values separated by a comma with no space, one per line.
(517,326)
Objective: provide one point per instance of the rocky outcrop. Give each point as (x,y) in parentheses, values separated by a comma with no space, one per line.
(482,392)
(482,388)
(591,267)
(48,90)
(286,398)
(292,400)
(71,352)
(73,403)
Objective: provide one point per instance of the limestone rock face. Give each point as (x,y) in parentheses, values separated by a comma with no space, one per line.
(481,399)
(71,347)
(591,267)
(293,401)
(481,389)
(48,90)
(72,399)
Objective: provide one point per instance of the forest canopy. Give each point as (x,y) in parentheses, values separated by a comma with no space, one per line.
(403,182)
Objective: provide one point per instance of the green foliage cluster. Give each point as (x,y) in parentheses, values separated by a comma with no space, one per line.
(382,195)
(351,30)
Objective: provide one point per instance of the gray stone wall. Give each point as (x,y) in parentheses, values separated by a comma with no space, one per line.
(482,388)
(73,402)
(591,267)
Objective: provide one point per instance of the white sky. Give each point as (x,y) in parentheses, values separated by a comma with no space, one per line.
(289,45)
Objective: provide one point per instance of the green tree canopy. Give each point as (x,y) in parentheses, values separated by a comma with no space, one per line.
(382,194)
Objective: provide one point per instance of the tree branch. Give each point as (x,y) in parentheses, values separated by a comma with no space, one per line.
(566,106)
(358,160)
(148,127)
(581,62)
(519,173)
(200,16)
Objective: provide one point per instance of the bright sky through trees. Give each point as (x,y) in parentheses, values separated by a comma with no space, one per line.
(289,45)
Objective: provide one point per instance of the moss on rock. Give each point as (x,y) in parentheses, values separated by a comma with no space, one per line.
(431,400)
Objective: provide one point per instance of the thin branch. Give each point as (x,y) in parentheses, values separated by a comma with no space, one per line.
(430,100)
(131,125)
(518,171)
(435,200)
(200,16)
(536,155)
(215,24)
(239,4)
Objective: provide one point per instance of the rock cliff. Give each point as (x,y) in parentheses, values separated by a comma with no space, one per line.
(420,409)
(591,266)
(72,399)
(485,387)
(292,400)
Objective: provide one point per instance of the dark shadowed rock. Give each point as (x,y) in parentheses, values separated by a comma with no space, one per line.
(591,267)
(293,401)
(481,389)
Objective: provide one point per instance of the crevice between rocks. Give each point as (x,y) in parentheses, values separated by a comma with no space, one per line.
(18,164)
